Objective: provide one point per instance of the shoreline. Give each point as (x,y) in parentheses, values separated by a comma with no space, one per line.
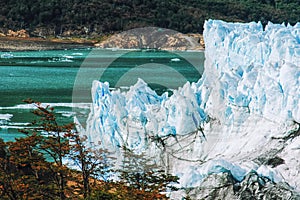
(11,44)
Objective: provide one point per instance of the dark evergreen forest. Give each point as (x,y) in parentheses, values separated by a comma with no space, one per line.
(97,17)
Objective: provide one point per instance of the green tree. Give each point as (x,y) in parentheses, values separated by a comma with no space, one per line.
(53,142)
(144,177)
(92,162)
(58,142)
(24,172)
(33,167)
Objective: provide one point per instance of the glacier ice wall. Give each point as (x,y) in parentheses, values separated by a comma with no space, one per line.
(134,117)
(256,69)
(227,121)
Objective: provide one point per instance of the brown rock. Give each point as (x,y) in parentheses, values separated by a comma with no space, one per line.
(21,33)
(153,38)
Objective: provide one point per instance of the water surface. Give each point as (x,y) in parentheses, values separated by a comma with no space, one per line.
(49,77)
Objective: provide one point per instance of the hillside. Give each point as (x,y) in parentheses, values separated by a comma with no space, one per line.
(94,18)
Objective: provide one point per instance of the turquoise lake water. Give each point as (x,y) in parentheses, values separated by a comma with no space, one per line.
(51,76)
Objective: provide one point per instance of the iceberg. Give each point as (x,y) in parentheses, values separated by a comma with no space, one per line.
(242,113)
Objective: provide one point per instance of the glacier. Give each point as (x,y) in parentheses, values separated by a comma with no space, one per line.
(244,111)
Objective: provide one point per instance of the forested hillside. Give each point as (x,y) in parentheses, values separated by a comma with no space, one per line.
(97,17)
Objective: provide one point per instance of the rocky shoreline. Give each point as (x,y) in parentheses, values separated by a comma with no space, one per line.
(37,44)
(126,40)
(154,38)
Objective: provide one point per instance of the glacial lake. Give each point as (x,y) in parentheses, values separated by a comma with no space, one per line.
(63,79)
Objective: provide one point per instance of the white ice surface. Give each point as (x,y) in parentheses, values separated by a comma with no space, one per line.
(6,117)
(248,95)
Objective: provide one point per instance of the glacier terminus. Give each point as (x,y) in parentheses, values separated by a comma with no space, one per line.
(242,117)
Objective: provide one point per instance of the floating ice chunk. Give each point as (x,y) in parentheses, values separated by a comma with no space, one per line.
(7,55)
(6,117)
(175,60)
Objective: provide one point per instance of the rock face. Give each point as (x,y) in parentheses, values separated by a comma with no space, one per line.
(153,38)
